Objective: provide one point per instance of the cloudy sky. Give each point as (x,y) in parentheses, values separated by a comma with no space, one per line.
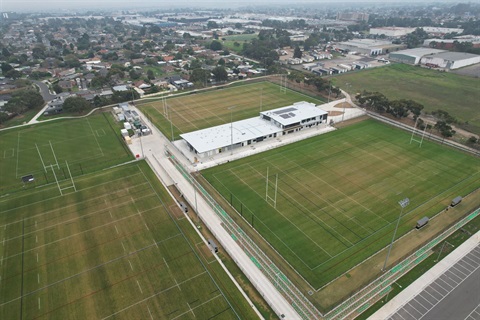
(48,5)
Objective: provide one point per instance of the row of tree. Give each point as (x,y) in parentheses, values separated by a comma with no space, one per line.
(402,108)
(21,102)
(321,84)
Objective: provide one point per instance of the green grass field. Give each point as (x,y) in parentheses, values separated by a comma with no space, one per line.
(86,144)
(456,94)
(202,110)
(109,244)
(108,250)
(338,193)
(229,41)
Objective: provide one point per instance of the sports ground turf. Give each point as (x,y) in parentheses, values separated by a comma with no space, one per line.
(202,110)
(338,193)
(110,248)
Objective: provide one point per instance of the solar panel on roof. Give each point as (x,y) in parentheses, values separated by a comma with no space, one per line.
(292,114)
(285,116)
(279,112)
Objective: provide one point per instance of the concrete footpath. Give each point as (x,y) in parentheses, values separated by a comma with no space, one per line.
(425,280)
(152,147)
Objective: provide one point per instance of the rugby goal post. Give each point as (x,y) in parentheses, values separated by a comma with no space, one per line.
(419,132)
(268,198)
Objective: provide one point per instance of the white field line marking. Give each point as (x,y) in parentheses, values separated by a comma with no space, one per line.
(123,246)
(84,231)
(73,205)
(196,307)
(85,271)
(139,287)
(166,263)
(36,239)
(131,267)
(35,223)
(18,152)
(38,277)
(150,313)
(155,242)
(156,294)
(37,257)
(4,242)
(95,136)
(146,226)
(1,261)
(77,234)
(110,212)
(116,229)
(191,310)
(177,284)
(38,303)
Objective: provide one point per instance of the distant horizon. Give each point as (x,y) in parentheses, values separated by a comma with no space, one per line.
(93,5)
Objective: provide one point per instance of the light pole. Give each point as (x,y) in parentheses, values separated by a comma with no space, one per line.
(231,128)
(403,203)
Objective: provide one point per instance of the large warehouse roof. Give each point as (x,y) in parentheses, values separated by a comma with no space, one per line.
(294,113)
(417,52)
(454,56)
(221,136)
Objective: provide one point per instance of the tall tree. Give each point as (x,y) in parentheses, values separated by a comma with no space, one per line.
(297,53)
(76,104)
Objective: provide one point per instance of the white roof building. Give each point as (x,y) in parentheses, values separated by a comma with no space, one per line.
(270,124)
(450,60)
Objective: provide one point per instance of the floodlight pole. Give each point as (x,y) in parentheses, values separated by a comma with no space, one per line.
(231,128)
(403,203)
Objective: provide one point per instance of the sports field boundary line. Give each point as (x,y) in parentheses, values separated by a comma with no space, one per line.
(80,233)
(77,218)
(200,235)
(404,215)
(190,245)
(95,136)
(284,218)
(86,176)
(153,295)
(127,254)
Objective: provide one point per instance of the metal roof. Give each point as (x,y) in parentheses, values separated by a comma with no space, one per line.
(221,136)
(453,56)
(294,113)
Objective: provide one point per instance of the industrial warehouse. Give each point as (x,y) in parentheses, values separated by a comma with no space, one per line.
(270,124)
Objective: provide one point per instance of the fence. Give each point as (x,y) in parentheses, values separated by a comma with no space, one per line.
(379,286)
(290,292)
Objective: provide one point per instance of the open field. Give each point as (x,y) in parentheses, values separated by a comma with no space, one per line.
(85,144)
(211,108)
(229,41)
(337,199)
(456,94)
(110,250)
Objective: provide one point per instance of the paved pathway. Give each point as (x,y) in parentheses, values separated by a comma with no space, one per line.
(152,147)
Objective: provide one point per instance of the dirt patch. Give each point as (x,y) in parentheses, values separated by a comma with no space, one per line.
(206,252)
(343,105)
(334,113)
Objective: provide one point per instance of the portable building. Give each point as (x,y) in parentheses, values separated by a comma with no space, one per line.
(422,222)
(456,201)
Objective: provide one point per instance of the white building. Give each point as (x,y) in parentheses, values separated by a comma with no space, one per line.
(450,60)
(270,124)
(412,56)
(392,32)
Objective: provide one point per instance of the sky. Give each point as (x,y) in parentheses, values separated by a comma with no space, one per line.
(49,5)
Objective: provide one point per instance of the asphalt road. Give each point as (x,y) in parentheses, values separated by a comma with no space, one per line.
(44,91)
